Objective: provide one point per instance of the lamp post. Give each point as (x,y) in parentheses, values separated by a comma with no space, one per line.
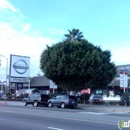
(6,72)
(28,78)
(29,84)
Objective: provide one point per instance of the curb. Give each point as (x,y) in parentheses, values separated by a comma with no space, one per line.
(3,103)
(107,110)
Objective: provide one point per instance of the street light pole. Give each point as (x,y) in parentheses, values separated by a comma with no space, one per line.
(29,84)
(6,73)
(28,78)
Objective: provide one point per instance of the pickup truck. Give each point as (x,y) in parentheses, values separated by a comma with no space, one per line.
(36,99)
(112,100)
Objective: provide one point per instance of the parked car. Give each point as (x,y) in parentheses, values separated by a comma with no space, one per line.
(63,100)
(36,99)
(20,93)
(97,99)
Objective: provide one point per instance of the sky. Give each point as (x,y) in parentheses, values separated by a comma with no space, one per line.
(27,26)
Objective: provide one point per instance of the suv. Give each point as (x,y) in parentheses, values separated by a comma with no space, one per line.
(36,99)
(61,101)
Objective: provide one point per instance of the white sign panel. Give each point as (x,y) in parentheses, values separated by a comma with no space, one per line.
(18,80)
(123,80)
(19,66)
(53,85)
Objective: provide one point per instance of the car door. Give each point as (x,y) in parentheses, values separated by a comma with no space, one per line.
(31,98)
(56,101)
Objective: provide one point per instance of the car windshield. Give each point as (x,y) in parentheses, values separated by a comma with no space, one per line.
(97,96)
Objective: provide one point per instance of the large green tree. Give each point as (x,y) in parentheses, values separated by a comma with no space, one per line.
(76,65)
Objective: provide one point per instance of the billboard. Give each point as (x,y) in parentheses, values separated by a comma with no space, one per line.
(19,66)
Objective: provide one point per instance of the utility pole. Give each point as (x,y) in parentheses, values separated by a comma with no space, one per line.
(6,72)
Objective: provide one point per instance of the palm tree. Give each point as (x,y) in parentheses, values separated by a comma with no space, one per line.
(74,35)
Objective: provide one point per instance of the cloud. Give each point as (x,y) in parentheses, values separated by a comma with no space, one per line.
(4,4)
(55,31)
(120,52)
(19,42)
(121,55)
(19,38)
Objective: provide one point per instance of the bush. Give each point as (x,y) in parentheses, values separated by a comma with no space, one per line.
(8,95)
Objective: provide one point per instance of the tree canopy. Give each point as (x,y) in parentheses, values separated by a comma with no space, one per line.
(74,35)
(75,65)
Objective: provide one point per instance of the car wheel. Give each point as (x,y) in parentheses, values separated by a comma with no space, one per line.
(35,104)
(25,103)
(50,104)
(62,105)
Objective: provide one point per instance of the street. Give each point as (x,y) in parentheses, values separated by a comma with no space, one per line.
(42,118)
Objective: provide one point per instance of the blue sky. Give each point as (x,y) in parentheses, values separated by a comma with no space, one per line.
(32,24)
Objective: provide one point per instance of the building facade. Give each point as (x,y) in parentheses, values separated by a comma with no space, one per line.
(42,83)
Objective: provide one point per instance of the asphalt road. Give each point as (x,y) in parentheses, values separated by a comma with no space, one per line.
(41,118)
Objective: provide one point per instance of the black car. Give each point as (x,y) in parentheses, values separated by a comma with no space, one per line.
(36,99)
(63,100)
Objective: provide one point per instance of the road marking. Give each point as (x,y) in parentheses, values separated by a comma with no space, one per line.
(55,128)
(24,123)
(95,113)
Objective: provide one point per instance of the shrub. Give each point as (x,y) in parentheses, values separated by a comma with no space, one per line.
(8,95)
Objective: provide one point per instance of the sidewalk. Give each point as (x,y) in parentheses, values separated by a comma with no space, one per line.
(11,103)
(110,108)
(86,107)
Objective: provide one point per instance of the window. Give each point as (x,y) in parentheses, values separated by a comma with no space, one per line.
(64,96)
(58,97)
(31,96)
(97,96)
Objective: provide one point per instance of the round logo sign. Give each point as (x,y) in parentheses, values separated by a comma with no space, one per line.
(20,66)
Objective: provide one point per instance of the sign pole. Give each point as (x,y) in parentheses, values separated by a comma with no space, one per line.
(6,78)
(6,75)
